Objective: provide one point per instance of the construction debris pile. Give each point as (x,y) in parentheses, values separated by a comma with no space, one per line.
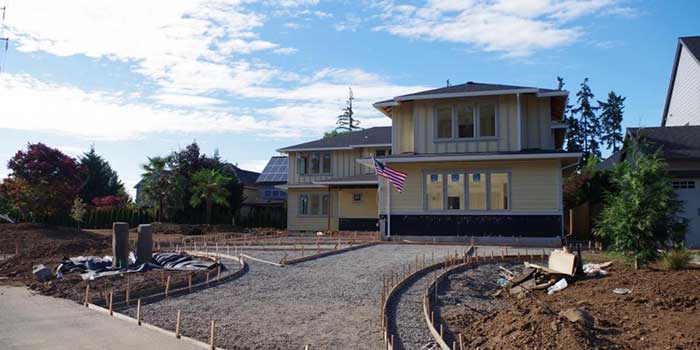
(563,267)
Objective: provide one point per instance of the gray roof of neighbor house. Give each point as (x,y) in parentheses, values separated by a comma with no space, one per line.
(676,142)
(610,162)
(376,136)
(471,87)
(692,43)
(245,177)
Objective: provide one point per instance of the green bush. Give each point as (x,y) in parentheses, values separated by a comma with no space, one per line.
(676,259)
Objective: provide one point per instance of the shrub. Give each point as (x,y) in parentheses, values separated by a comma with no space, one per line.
(676,259)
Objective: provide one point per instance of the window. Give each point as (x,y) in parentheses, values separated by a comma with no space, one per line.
(433,191)
(467,191)
(304,204)
(455,191)
(268,193)
(302,164)
(313,204)
(444,122)
(326,163)
(499,191)
(487,120)
(465,121)
(684,184)
(380,153)
(477,191)
(356,197)
(314,163)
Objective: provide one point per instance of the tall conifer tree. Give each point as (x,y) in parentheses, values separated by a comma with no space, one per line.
(611,121)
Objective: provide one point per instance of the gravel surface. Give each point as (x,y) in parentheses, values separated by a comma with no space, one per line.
(328,303)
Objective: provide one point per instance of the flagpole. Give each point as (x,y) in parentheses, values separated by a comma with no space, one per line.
(388,217)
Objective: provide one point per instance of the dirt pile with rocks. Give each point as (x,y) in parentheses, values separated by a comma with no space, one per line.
(49,245)
(660,312)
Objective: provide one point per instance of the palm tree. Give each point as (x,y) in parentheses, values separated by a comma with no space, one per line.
(161,186)
(208,186)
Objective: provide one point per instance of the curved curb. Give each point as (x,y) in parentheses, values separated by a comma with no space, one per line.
(396,285)
(438,335)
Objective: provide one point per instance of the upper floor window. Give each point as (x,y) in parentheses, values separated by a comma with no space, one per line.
(314,163)
(465,121)
(382,152)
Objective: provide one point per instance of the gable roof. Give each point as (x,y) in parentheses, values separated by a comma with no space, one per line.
(245,177)
(676,142)
(692,44)
(467,89)
(376,136)
(609,163)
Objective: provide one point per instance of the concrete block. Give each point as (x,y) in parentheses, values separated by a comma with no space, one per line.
(120,245)
(144,244)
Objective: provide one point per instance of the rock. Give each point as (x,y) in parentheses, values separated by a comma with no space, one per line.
(41,273)
(577,315)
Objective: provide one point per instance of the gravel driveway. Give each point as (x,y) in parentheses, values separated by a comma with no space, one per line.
(328,303)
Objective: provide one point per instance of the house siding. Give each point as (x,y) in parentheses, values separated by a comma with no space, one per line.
(296,222)
(413,126)
(535,185)
(342,164)
(684,107)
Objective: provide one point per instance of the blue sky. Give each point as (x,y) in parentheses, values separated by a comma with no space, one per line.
(143,78)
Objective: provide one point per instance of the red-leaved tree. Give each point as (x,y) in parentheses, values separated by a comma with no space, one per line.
(43,182)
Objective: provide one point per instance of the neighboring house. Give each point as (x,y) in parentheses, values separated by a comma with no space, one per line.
(328,189)
(678,138)
(274,174)
(679,146)
(483,160)
(248,180)
(683,96)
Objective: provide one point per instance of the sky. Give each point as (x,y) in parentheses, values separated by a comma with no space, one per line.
(143,78)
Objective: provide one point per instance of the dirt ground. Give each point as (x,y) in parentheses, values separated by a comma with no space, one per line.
(661,312)
(40,244)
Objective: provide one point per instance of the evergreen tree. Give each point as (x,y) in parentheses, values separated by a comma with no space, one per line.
(346,121)
(588,121)
(574,134)
(611,121)
(101,181)
(642,214)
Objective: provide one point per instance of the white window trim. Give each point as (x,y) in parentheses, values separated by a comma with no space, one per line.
(465,172)
(476,108)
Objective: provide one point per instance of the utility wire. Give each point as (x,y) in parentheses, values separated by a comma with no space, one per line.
(6,39)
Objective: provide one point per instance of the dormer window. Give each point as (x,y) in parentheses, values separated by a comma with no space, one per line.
(465,121)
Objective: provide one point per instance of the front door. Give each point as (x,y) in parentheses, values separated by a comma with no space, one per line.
(688,191)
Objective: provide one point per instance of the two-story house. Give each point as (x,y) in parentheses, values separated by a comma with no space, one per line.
(327,189)
(483,161)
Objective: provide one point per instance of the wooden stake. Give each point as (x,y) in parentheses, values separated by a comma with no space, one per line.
(138,311)
(211,335)
(207,278)
(432,318)
(189,282)
(218,273)
(461,342)
(111,295)
(177,325)
(167,286)
(87,294)
(441,332)
(128,290)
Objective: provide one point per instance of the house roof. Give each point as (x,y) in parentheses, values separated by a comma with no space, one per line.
(610,162)
(376,136)
(245,177)
(466,90)
(675,142)
(275,171)
(470,87)
(692,44)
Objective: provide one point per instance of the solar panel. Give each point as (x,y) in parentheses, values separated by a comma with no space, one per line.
(275,170)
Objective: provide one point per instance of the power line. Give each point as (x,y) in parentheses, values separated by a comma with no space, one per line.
(6,39)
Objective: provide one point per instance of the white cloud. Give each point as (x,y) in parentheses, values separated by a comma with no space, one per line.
(515,28)
(256,165)
(285,51)
(186,100)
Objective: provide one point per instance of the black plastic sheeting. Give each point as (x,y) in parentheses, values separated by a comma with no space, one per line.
(92,267)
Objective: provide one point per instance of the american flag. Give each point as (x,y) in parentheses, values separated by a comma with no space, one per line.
(397,178)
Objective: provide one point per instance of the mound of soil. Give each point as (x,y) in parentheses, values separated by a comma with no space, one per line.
(49,245)
(660,313)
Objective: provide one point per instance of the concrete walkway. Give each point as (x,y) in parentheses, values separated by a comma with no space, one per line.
(29,321)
